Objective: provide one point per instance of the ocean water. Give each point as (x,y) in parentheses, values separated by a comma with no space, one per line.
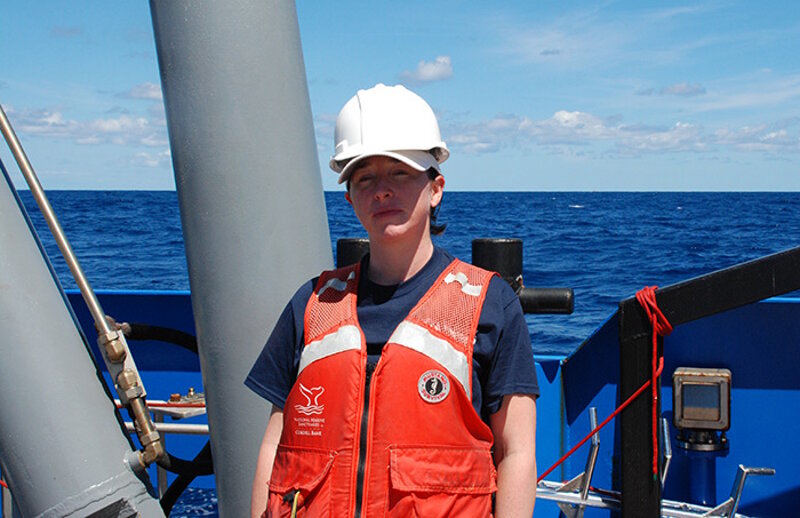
(605,246)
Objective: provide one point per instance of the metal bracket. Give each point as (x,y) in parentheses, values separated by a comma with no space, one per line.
(728,507)
(568,498)
(666,447)
(582,482)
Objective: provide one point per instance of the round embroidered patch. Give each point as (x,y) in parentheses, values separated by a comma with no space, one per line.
(433,386)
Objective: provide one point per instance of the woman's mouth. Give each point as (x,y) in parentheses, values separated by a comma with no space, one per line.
(386,211)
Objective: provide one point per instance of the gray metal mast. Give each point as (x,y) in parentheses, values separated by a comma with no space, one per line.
(250,195)
(62,448)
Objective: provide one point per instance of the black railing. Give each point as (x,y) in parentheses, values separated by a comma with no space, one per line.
(681,303)
(501,255)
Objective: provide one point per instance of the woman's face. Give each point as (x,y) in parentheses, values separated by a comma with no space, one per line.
(392,200)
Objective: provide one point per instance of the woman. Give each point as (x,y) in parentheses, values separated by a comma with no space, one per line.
(403,385)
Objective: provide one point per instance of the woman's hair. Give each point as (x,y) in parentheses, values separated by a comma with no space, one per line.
(436,230)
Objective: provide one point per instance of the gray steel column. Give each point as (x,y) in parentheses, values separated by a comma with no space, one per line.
(62,449)
(251,199)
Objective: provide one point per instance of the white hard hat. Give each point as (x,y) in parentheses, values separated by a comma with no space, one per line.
(387,121)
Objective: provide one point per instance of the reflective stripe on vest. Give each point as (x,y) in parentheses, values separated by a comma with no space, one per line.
(416,337)
(466,287)
(336,284)
(346,338)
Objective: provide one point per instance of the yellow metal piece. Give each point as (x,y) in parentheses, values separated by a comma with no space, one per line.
(113,346)
(294,503)
(146,430)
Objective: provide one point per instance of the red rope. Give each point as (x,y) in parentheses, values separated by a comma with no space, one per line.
(167,404)
(601,425)
(661,327)
(3,483)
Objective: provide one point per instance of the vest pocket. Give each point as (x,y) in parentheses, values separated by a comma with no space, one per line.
(301,471)
(440,481)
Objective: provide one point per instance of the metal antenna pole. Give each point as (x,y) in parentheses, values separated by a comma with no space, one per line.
(52,222)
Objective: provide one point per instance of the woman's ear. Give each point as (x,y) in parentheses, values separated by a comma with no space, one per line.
(437,187)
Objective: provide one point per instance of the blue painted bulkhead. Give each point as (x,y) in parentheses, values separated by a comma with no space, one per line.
(758,343)
(165,368)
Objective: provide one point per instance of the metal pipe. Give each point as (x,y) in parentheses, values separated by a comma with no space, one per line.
(504,256)
(245,159)
(112,342)
(350,250)
(55,227)
(547,490)
(611,500)
(46,366)
(176,428)
(667,448)
(591,460)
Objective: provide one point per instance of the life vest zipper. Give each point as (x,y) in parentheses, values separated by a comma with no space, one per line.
(362,442)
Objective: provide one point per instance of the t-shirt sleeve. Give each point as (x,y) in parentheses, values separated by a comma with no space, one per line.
(275,369)
(512,370)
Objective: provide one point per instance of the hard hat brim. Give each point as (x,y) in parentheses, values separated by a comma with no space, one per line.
(416,159)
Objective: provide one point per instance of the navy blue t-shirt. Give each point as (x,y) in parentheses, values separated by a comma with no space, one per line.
(502,358)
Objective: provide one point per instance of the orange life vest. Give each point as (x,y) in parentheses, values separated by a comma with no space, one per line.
(403,440)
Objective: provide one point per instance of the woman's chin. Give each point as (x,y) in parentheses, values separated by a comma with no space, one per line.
(389,233)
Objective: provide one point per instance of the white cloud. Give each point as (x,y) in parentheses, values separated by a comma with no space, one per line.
(577,39)
(152,160)
(575,132)
(325,125)
(429,71)
(679,137)
(571,127)
(324,128)
(684,89)
(149,91)
(45,123)
(122,124)
(770,138)
(659,15)
(600,37)
(120,130)
(550,52)
(753,92)
(487,136)
(154,140)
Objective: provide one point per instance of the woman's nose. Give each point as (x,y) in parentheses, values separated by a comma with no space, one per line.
(383,188)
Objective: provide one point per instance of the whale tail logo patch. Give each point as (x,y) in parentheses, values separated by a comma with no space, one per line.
(312,398)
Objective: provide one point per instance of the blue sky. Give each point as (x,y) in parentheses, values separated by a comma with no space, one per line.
(628,95)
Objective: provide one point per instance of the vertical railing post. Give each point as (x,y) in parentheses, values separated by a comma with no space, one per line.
(641,490)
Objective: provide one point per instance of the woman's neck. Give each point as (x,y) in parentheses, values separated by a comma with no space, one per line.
(391,264)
